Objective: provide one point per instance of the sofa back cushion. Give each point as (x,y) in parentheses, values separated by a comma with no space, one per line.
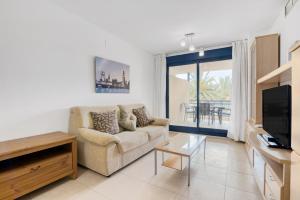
(80,116)
(129,107)
(127,120)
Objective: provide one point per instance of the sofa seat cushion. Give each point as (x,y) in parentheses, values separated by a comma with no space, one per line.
(130,140)
(152,131)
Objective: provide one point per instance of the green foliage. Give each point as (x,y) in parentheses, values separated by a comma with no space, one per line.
(210,88)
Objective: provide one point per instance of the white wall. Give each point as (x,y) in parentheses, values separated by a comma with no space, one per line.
(289,30)
(47,66)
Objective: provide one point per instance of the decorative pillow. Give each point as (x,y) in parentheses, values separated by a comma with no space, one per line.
(106,122)
(128,120)
(142,117)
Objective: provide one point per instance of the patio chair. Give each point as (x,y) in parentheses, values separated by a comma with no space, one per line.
(204,111)
(189,110)
(217,111)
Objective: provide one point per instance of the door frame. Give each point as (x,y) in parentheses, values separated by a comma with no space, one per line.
(194,58)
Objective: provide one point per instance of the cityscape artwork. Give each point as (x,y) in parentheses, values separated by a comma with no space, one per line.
(111,76)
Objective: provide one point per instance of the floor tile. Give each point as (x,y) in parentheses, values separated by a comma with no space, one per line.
(243,167)
(65,189)
(203,190)
(242,182)
(89,177)
(234,194)
(124,187)
(144,169)
(172,181)
(207,173)
(237,155)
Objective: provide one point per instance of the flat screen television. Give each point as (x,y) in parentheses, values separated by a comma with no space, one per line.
(277,114)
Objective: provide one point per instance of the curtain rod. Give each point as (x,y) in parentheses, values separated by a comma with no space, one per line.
(210,47)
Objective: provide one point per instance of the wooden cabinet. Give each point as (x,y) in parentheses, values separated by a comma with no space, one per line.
(282,180)
(295,169)
(268,193)
(273,183)
(259,170)
(295,177)
(249,149)
(30,163)
(264,59)
(271,167)
(295,52)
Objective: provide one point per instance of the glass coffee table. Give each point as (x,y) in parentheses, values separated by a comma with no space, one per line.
(179,146)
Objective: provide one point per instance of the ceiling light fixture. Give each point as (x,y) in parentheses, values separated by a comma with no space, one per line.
(188,40)
(192,47)
(183,43)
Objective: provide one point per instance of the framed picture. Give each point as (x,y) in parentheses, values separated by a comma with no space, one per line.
(111,76)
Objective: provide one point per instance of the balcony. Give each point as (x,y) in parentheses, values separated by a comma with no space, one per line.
(212,114)
(212,87)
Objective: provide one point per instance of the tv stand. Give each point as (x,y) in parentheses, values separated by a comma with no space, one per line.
(271,166)
(268,140)
(30,163)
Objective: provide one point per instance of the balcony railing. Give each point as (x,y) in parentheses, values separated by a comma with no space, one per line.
(209,110)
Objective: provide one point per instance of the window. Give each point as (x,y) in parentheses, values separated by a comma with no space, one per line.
(199,92)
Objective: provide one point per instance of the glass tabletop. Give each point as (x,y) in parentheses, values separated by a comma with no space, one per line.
(182,144)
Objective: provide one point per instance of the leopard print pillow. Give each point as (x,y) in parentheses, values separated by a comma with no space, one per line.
(141,116)
(106,122)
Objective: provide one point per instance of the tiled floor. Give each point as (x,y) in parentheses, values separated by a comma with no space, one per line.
(225,175)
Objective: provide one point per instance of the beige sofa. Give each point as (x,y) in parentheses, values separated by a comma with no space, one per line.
(106,153)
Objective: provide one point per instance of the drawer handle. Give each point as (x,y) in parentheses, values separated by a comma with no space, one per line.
(35,168)
(271,197)
(271,178)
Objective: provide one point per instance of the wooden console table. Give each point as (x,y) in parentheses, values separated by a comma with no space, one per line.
(30,163)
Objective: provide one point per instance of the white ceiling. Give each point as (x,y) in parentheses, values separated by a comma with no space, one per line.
(158,25)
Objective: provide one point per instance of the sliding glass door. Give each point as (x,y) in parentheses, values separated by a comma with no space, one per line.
(215,83)
(199,92)
(183,95)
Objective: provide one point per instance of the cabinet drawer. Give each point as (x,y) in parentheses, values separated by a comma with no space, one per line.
(30,166)
(259,170)
(250,154)
(268,193)
(273,183)
(37,175)
(6,192)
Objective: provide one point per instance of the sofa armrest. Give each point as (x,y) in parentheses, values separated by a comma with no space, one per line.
(160,122)
(97,137)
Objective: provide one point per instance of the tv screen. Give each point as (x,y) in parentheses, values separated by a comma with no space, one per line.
(277,114)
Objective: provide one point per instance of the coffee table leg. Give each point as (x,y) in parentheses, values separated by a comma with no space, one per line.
(204,148)
(189,170)
(155,162)
(181,162)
